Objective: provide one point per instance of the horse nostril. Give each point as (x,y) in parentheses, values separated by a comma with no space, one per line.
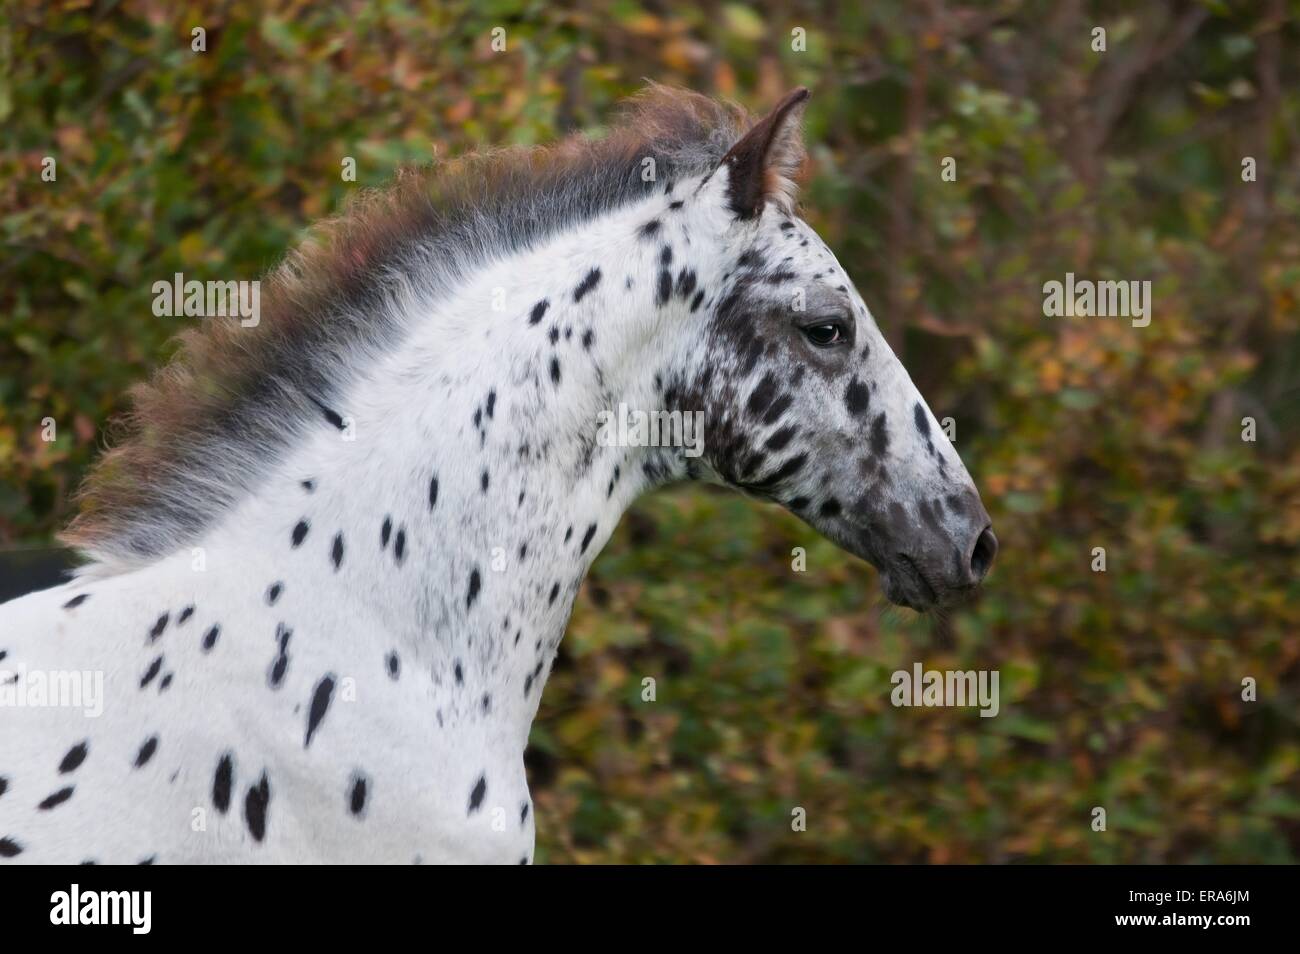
(981,558)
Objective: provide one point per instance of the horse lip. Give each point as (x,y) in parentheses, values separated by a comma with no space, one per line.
(897,574)
(929,595)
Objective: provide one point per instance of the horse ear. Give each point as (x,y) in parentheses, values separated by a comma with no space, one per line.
(767,158)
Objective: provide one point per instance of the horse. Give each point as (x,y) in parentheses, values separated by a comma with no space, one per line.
(330,558)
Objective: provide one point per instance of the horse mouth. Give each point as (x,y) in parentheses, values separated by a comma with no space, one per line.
(903,580)
(906,585)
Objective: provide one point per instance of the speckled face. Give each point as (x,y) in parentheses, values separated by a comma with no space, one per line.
(806,405)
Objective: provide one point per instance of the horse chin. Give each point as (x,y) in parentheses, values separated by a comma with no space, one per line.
(905,586)
(901,579)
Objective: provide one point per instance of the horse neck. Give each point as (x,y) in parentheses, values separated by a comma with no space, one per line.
(468,491)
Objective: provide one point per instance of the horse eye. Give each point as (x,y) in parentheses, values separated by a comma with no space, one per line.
(828,333)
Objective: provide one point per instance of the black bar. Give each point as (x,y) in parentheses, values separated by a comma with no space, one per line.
(933,903)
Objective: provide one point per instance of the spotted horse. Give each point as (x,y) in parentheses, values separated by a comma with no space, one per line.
(330,560)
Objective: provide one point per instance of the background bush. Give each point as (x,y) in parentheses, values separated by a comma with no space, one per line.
(1119,689)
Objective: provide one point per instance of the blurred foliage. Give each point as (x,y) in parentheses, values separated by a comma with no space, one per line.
(1120,689)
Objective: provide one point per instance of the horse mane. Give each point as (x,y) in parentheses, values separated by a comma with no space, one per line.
(232,401)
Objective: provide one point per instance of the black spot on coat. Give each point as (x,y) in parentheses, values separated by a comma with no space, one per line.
(764,393)
(879,436)
(664,290)
(590,281)
(281,662)
(330,415)
(320,703)
(685,283)
(922,422)
(58,798)
(476,795)
(856,397)
(357,796)
(781,438)
(151,672)
(222,782)
(76,755)
(146,751)
(255,806)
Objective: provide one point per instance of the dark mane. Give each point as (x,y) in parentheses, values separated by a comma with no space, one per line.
(234,398)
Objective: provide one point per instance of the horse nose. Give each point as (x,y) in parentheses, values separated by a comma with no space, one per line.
(982,554)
